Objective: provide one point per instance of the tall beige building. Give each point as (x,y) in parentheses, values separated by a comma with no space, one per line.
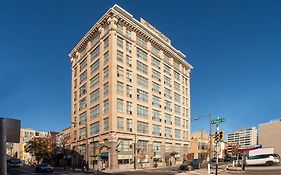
(129,85)
(269,135)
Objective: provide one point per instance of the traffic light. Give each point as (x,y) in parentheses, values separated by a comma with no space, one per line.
(221,136)
(215,136)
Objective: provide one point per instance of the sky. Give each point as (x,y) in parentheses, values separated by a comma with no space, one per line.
(234,47)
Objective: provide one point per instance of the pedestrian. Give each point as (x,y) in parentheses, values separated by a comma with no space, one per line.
(243,162)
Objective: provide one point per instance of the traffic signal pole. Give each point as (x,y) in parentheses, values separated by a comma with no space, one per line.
(217,157)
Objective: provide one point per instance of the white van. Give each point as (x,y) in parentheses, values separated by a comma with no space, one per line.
(263,159)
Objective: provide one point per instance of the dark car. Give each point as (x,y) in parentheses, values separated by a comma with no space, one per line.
(44,167)
(14,163)
(194,164)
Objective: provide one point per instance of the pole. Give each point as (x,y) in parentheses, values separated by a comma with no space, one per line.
(3,158)
(217,157)
(135,152)
(210,145)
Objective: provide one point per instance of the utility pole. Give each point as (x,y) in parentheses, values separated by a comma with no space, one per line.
(217,157)
(210,145)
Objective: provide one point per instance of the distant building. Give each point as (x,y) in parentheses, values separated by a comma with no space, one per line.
(63,138)
(244,137)
(199,145)
(269,135)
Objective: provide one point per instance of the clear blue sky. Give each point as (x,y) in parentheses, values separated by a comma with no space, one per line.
(234,46)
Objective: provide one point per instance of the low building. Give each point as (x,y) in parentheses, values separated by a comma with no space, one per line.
(63,138)
(244,137)
(269,134)
(199,145)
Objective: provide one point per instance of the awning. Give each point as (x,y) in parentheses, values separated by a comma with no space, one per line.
(249,148)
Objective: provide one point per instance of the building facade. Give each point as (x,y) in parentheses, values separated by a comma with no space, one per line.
(269,134)
(199,146)
(130,94)
(244,137)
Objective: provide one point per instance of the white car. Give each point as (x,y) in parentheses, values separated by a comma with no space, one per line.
(264,159)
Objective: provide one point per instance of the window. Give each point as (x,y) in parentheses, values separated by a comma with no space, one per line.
(155,62)
(128,33)
(83,90)
(168,105)
(177,109)
(129,108)
(75,72)
(95,39)
(177,75)
(141,41)
(156,101)
(141,54)
(83,103)
(106,105)
(106,124)
(94,81)
(177,97)
(129,60)
(83,77)
(82,133)
(75,83)
(83,64)
(74,108)
(156,115)
(125,145)
(143,145)
(129,75)
(129,91)
(120,88)
(119,41)
(176,65)
(120,123)
(177,87)
(95,53)
(156,87)
(156,75)
(74,96)
(142,127)
(120,105)
(129,125)
(142,95)
(105,88)
(119,28)
(105,57)
(120,56)
(95,66)
(105,72)
(83,118)
(156,130)
(120,72)
(157,147)
(128,47)
(95,111)
(167,81)
(155,50)
(168,132)
(105,43)
(168,118)
(167,69)
(142,67)
(167,93)
(166,58)
(177,134)
(94,96)
(94,128)
(177,121)
(142,111)
(142,81)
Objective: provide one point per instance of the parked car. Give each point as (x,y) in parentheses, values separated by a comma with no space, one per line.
(14,163)
(214,159)
(44,167)
(264,159)
(195,164)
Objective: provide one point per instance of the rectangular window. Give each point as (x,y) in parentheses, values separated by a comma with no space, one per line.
(142,95)
(141,54)
(177,134)
(167,69)
(106,124)
(119,41)
(129,108)
(83,103)
(176,65)
(105,43)
(168,132)
(128,33)
(83,77)
(142,67)
(94,96)
(95,111)
(177,121)
(129,125)
(177,97)
(177,87)
(142,127)
(106,105)
(129,91)
(156,75)
(83,90)
(83,64)
(128,47)
(120,123)
(177,109)
(129,75)
(120,56)
(141,41)
(167,93)
(166,58)
(125,145)
(155,50)
(156,101)
(105,57)
(155,62)
(119,29)
(105,88)
(94,128)
(120,88)
(120,72)
(156,130)
(156,87)
(120,105)
(95,53)
(156,115)
(142,81)
(82,133)
(95,66)
(167,81)
(142,111)
(143,145)
(105,72)
(168,119)
(95,39)
(177,75)
(168,105)
(83,118)
(94,81)
(129,60)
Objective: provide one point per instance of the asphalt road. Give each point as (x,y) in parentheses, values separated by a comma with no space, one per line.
(268,170)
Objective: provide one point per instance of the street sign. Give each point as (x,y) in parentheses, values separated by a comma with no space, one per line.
(219,120)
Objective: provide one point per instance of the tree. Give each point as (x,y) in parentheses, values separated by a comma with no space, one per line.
(38,147)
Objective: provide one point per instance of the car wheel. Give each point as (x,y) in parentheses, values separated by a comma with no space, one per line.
(269,163)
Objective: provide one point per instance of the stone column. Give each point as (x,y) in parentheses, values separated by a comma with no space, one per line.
(113,159)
